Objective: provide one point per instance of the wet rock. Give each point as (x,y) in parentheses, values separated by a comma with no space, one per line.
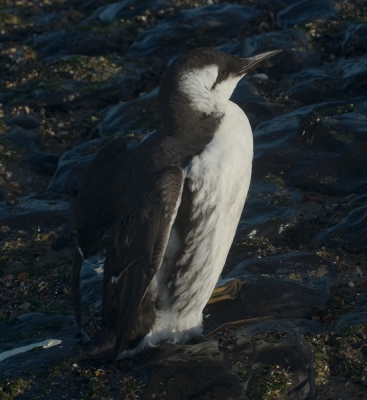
(355,317)
(304,11)
(256,107)
(47,209)
(290,147)
(297,51)
(336,80)
(197,27)
(134,116)
(350,233)
(71,166)
(43,163)
(32,328)
(128,9)
(269,209)
(52,45)
(293,285)
(23,138)
(23,277)
(354,40)
(24,122)
(47,20)
(98,45)
(262,352)
(91,281)
(8,281)
(73,163)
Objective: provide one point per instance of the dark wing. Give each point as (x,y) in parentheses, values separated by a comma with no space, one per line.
(138,245)
(95,208)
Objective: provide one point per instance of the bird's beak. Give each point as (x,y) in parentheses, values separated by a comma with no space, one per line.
(252,62)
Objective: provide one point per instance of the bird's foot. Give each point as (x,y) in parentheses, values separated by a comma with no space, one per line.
(227,292)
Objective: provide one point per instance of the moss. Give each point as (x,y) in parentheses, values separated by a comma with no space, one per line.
(277,180)
(270,382)
(10,389)
(130,387)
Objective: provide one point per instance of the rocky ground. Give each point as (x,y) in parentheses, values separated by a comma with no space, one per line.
(73,75)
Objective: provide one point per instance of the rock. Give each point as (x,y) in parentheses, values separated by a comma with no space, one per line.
(269,209)
(305,11)
(132,116)
(91,277)
(24,122)
(47,209)
(256,107)
(289,147)
(350,233)
(128,9)
(337,80)
(354,40)
(297,51)
(209,25)
(23,138)
(73,163)
(292,285)
(261,356)
(43,163)
(355,317)
(36,327)
(71,166)
(98,45)
(23,277)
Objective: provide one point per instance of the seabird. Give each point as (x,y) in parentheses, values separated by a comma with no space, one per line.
(171,206)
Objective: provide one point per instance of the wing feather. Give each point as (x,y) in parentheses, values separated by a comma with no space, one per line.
(137,248)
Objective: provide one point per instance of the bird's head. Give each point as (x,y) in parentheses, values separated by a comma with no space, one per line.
(204,79)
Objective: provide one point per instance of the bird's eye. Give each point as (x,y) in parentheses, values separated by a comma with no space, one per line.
(223,73)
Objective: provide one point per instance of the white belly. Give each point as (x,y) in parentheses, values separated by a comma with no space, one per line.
(220,178)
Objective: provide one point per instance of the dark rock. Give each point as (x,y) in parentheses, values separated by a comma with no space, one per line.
(29,212)
(355,317)
(304,11)
(197,27)
(47,20)
(33,328)
(354,40)
(128,9)
(23,138)
(289,148)
(256,107)
(134,116)
(297,51)
(52,44)
(350,233)
(337,80)
(97,45)
(24,122)
(43,163)
(71,166)
(60,243)
(207,371)
(73,163)
(269,209)
(292,285)
(91,281)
